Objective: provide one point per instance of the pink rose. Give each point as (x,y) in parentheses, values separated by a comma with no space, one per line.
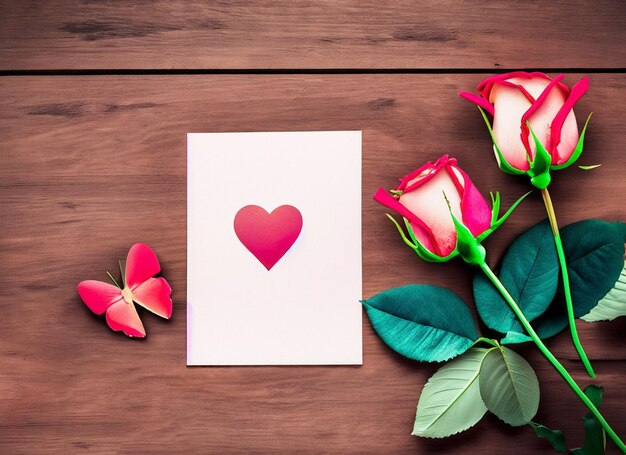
(520,102)
(428,197)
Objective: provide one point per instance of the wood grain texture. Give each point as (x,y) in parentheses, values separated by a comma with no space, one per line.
(89,165)
(198,34)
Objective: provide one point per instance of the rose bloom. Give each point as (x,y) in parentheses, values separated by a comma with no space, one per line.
(426,197)
(518,99)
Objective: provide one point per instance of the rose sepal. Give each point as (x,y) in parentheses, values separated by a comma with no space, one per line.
(577,151)
(423,252)
(468,246)
(416,246)
(495,206)
(402,234)
(502,162)
(495,221)
(539,171)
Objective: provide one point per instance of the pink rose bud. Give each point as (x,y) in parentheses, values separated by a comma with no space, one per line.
(429,197)
(525,103)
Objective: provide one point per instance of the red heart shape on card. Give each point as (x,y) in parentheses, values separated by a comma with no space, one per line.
(268,236)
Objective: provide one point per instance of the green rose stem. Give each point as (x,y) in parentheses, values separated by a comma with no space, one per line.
(546,352)
(566,286)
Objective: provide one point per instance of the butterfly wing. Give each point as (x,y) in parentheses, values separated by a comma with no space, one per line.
(154,295)
(99,296)
(141,264)
(151,293)
(123,316)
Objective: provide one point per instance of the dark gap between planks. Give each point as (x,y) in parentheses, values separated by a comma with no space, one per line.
(287,71)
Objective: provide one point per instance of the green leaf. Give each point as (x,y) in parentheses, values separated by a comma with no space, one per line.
(594,393)
(509,386)
(554,437)
(595,436)
(594,251)
(530,272)
(550,323)
(553,321)
(612,305)
(595,439)
(422,322)
(450,402)
(515,338)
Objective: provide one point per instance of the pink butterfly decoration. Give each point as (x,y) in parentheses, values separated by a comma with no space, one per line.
(140,287)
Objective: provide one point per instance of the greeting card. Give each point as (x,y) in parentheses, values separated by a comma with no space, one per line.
(274,248)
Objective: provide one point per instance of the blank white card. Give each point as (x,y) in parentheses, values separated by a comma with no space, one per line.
(274,248)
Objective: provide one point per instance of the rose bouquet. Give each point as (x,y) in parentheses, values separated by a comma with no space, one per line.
(445,216)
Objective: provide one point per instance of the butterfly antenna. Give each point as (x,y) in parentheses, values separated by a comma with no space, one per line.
(122,265)
(113,279)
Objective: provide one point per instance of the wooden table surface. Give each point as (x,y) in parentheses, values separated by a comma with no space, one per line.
(95,100)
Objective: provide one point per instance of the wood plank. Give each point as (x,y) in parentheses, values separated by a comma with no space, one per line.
(198,34)
(89,165)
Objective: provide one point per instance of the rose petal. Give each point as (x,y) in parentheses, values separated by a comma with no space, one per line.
(486,85)
(541,120)
(475,209)
(424,173)
(425,239)
(538,106)
(564,127)
(568,140)
(421,231)
(478,100)
(510,104)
